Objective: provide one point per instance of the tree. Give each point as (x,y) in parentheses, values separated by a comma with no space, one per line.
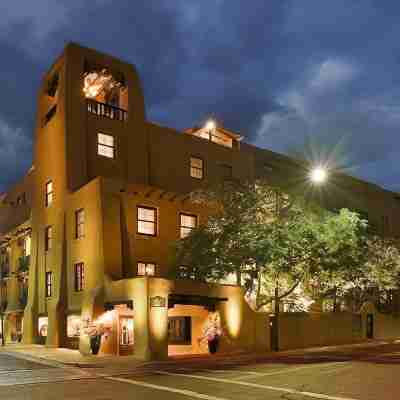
(225,245)
(378,277)
(342,236)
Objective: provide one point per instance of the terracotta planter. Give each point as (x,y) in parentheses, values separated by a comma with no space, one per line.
(95,342)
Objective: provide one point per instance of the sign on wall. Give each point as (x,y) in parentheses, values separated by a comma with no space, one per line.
(158,301)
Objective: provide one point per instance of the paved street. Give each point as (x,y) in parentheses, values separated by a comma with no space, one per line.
(357,373)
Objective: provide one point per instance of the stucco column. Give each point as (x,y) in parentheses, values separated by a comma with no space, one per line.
(151,318)
(56,331)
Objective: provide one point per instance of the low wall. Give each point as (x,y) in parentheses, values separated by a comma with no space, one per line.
(386,326)
(300,330)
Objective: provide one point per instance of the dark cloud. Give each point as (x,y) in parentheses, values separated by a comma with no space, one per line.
(286,74)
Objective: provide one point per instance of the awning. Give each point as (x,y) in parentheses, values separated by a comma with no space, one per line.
(111,304)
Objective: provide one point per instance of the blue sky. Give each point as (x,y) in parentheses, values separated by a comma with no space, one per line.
(315,77)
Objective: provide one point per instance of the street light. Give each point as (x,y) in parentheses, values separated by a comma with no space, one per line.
(318,175)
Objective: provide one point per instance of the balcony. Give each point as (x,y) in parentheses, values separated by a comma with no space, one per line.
(106,110)
(24,263)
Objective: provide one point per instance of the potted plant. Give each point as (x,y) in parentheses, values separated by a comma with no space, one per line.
(95,333)
(212,334)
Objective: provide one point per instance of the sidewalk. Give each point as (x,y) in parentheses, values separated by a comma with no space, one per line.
(66,358)
(62,357)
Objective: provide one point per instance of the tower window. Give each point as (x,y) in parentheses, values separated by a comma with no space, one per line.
(49,284)
(79,275)
(49,193)
(48,238)
(105,145)
(196,168)
(146,269)
(187,224)
(80,224)
(147,221)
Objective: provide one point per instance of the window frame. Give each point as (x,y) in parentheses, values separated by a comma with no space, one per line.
(187,227)
(191,167)
(78,224)
(48,239)
(79,277)
(155,222)
(48,289)
(113,147)
(146,264)
(49,194)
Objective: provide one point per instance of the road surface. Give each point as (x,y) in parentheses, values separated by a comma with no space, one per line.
(371,373)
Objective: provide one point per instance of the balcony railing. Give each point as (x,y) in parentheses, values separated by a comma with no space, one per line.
(24,263)
(106,110)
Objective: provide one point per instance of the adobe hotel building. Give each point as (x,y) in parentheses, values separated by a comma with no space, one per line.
(85,237)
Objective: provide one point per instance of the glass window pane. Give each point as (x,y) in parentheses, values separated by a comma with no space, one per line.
(185,232)
(105,151)
(107,140)
(196,173)
(147,228)
(188,220)
(49,187)
(141,269)
(146,214)
(150,269)
(81,216)
(196,162)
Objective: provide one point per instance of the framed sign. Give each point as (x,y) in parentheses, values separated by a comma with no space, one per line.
(158,301)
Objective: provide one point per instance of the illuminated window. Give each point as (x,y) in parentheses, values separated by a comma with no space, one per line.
(74,326)
(146,269)
(80,223)
(105,145)
(49,284)
(79,275)
(147,221)
(187,224)
(48,238)
(43,323)
(49,193)
(126,331)
(180,330)
(196,168)
(27,245)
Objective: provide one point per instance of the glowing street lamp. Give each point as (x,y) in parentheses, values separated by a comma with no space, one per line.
(318,175)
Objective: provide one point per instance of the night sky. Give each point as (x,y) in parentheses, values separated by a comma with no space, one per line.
(319,78)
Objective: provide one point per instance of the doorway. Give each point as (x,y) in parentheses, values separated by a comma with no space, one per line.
(370,326)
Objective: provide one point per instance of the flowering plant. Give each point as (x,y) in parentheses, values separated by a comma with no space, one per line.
(212,329)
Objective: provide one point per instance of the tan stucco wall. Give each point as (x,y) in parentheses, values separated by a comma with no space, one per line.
(299,330)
